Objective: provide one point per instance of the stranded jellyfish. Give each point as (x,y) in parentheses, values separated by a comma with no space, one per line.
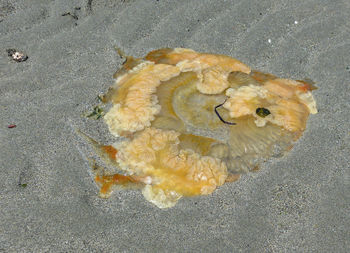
(192,121)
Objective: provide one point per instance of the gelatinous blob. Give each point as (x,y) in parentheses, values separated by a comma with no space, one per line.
(194,121)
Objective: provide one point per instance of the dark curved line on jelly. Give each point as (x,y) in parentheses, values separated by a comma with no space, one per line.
(219,116)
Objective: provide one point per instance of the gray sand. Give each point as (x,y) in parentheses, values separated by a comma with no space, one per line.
(298,203)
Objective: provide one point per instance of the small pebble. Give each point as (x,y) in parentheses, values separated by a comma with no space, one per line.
(269,40)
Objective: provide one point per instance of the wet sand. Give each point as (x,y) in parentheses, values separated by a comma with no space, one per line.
(48,201)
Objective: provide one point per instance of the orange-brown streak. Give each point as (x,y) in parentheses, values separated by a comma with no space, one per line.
(108,181)
(111,151)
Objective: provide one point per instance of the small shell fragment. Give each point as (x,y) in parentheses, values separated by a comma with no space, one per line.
(16,55)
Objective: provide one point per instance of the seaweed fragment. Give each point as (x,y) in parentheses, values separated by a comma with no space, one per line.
(89,6)
(219,116)
(97,113)
(73,15)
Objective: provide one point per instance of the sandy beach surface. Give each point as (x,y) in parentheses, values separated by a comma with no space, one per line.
(48,200)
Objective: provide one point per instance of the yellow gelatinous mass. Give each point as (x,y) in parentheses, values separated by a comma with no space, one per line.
(156,154)
(134,106)
(195,120)
(288,104)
